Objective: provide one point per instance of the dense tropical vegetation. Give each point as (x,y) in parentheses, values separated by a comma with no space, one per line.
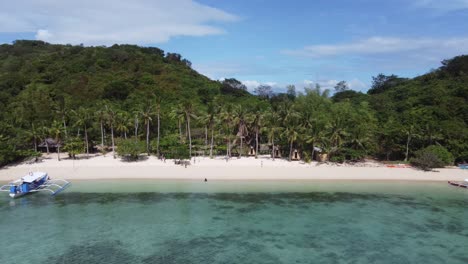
(145,100)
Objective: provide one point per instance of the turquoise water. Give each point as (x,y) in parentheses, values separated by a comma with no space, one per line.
(238,222)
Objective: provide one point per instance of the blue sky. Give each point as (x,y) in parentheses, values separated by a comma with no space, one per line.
(261,41)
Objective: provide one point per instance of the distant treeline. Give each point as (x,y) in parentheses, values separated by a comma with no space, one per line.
(90,98)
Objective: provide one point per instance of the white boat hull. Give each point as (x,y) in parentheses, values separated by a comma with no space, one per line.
(16,195)
(34,182)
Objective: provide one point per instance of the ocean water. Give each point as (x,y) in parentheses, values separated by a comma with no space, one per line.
(237,222)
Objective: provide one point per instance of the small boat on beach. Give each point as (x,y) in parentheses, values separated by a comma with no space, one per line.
(34,182)
(463,184)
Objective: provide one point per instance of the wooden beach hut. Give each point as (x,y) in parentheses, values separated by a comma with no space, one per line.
(49,144)
(295,155)
(277,152)
(251,151)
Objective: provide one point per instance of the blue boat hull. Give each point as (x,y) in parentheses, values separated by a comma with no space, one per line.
(27,188)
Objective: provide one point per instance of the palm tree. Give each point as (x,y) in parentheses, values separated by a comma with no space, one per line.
(110,118)
(291,134)
(158,115)
(240,119)
(146,115)
(226,118)
(34,134)
(209,120)
(337,133)
(179,114)
(257,121)
(63,112)
(83,116)
(101,116)
(189,113)
(122,123)
(291,120)
(44,132)
(56,130)
(273,128)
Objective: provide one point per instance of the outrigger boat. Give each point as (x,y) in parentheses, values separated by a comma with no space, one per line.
(463,184)
(34,182)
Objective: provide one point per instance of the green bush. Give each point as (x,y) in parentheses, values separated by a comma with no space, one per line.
(171,148)
(74,146)
(338,157)
(442,153)
(347,154)
(130,149)
(426,160)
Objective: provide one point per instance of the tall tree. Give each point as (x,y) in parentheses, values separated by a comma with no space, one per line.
(272,128)
(110,118)
(82,118)
(240,119)
(57,130)
(341,87)
(257,118)
(158,116)
(226,119)
(189,113)
(100,115)
(123,121)
(147,114)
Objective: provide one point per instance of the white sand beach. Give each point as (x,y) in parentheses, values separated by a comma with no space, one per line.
(246,168)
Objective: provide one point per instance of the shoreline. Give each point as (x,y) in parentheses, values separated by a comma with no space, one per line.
(244,169)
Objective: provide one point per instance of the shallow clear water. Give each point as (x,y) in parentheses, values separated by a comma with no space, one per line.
(238,222)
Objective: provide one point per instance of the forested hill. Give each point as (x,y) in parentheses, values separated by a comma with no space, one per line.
(431,109)
(86,96)
(80,75)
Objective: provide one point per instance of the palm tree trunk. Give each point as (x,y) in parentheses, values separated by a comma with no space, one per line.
(227,147)
(58,151)
(256,142)
(147,137)
(211,144)
(47,146)
(180,129)
(313,151)
(35,145)
(157,142)
(64,126)
(86,140)
(273,145)
(407,146)
(206,140)
(136,127)
(241,146)
(113,143)
(189,136)
(102,134)
(290,150)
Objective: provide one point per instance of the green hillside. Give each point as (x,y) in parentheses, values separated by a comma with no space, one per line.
(86,96)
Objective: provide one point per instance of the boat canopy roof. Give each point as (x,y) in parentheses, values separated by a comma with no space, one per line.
(32,176)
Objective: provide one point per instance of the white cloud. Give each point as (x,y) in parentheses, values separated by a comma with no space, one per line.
(354,84)
(252,84)
(442,5)
(357,85)
(106,22)
(387,45)
(324,84)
